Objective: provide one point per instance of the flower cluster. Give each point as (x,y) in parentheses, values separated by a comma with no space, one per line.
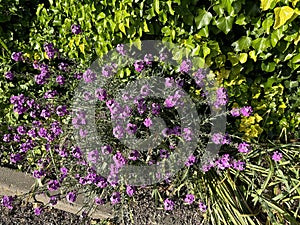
(224,162)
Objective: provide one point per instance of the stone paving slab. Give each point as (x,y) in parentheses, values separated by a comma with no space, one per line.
(13,182)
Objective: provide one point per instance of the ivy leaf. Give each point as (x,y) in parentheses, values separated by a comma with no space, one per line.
(122,28)
(296,59)
(225,24)
(267,23)
(261,44)
(266,4)
(242,44)
(156,6)
(282,15)
(203,18)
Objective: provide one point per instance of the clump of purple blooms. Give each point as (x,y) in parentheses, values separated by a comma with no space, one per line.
(76,29)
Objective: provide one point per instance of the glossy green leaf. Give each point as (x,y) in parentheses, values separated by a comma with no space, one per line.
(156,6)
(282,15)
(225,23)
(266,4)
(296,59)
(242,44)
(203,18)
(261,44)
(269,67)
(267,23)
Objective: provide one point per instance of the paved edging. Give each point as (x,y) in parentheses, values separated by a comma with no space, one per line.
(13,182)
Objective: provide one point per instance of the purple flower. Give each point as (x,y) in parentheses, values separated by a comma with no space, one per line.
(185,66)
(206,167)
(217,138)
(100,182)
(163,56)
(43,132)
(169,82)
(53,185)
(189,198)
(115,198)
(9,75)
(7,201)
(89,76)
(148,59)
(246,111)
(118,131)
(63,66)
(222,97)
(108,70)
(6,137)
(277,156)
(64,171)
(71,196)
(78,76)
(38,174)
(14,158)
(76,29)
(17,138)
(76,152)
(191,160)
(139,65)
(130,190)
(244,147)
(99,201)
(45,113)
(131,128)
(169,204)
(238,165)
(187,133)
(100,93)
(119,160)
(50,50)
(93,156)
(141,106)
(53,200)
(202,207)
(121,50)
(223,162)
(17,56)
(60,80)
(235,112)
(164,153)
(106,149)
(38,211)
(21,130)
(148,122)
(226,139)
(61,110)
(134,155)
(170,102)
(32,133)
(155,108)
(199,76)
(50,94)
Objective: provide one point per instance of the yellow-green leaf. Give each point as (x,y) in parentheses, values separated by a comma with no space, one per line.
(252,55)
(81,47)
(282,15)
(146,27)
(156,6)
(122,28)
(266,4)
(243,57)
(294,2)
